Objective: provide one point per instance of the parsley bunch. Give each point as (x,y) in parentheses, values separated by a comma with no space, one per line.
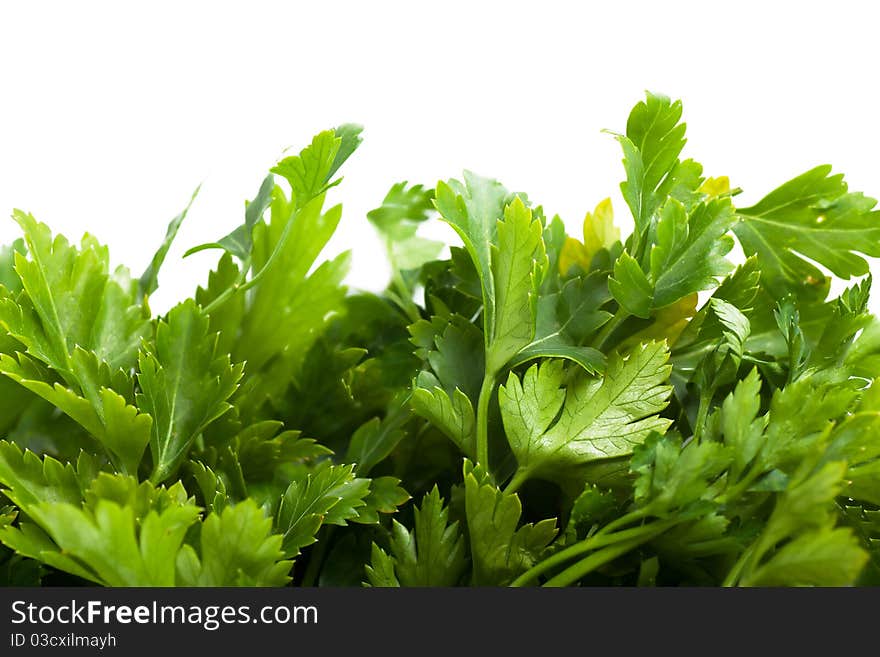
(535,409)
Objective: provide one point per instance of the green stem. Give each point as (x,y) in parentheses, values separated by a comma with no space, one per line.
(117,465)
(596,541)
(316,558)
(403,291)
(573,573)
(241,283)
(740,487)
(486,391)
(406,304)
(703,411)
(519,478)
(624,520)
(230,291)
(736,571)
(610,326)
(713,547)
(750,559)
(635,247)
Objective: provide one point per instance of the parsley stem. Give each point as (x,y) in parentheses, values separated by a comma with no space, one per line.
(573,573)
(594,542)
(749,560)
(242,284)
(738,567)
(585,566)
(610,326)
(744,483)
(230,291)
(316,558)
(486,391)
(623,520)
(401,288)
(520,477)
(703,411)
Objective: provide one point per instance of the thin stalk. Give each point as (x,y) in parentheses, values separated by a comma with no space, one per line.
(316,559)
(743,484)
(749,559)
(609,328)
(595,542)
(624,520)
(635,247)
(118,465)
(520,477)
(403,291)
(713,547)
(703,412)
(572,574)
(230,291)
(404,294)
(736,571)
(486,391)
(241,283)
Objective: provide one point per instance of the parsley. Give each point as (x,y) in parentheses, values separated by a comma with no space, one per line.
(534,409)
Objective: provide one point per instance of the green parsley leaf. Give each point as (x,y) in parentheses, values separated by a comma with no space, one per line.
(813,215)
(72,307)
(653,142)
(432,554)
(149,280)
(551,428)
(108,543)
(332,495)
(185,384)
(27,479)
(500,548)
(238,548)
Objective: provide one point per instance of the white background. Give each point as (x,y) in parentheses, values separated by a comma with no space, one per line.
(111,113)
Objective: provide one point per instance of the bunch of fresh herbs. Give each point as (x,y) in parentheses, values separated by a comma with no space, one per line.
(534,409)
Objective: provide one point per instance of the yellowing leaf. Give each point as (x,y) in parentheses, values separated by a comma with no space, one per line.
(573,253)
(599,229)
(599,233)
(668,323)
(715,186)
